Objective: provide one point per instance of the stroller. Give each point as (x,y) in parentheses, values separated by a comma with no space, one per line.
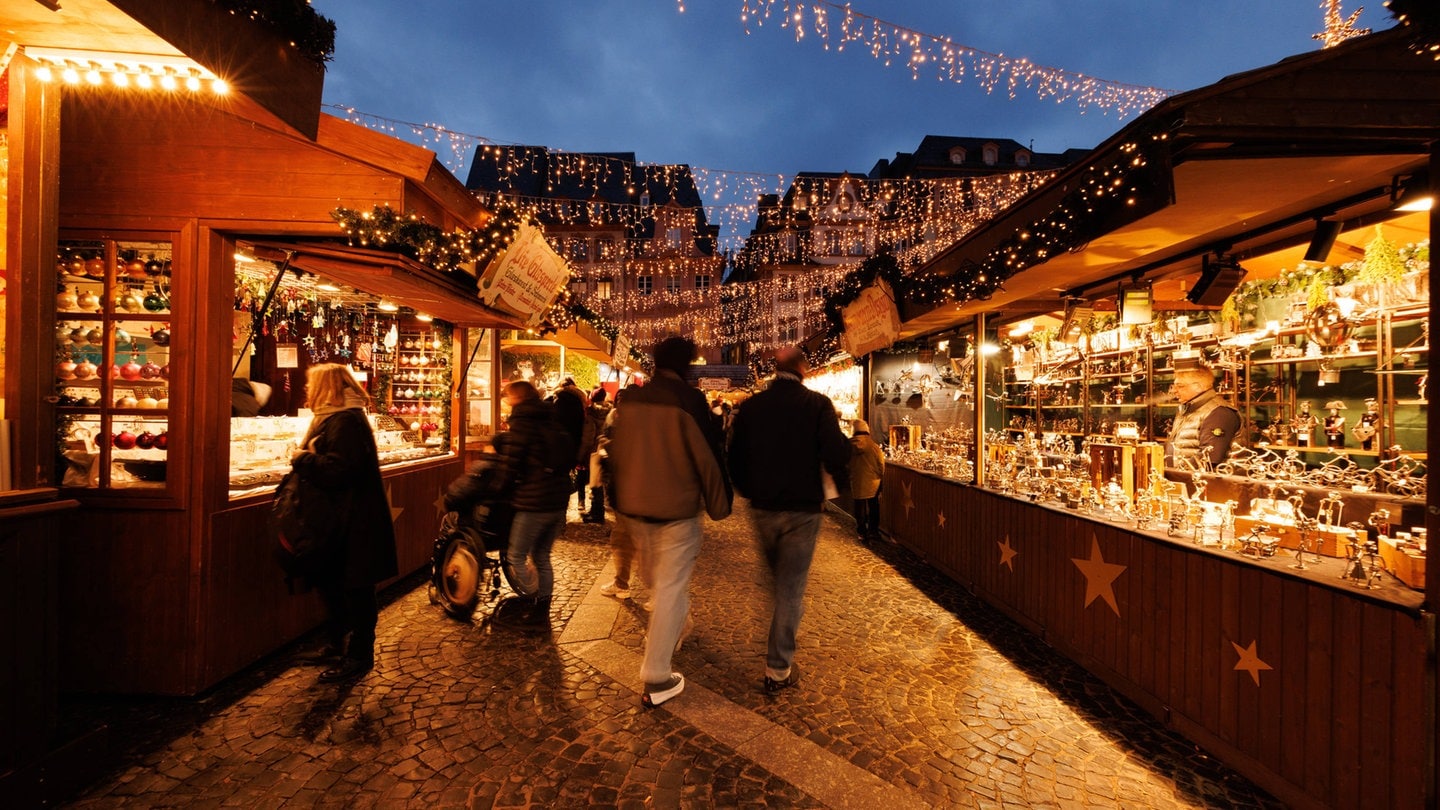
(469,554)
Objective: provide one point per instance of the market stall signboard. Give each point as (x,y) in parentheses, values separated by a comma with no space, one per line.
(526,279)
(871,321)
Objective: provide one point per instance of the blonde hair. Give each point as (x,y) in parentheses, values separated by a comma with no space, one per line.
(327,384)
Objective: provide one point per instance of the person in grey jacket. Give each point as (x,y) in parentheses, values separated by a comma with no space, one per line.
(665,458)
(781,440)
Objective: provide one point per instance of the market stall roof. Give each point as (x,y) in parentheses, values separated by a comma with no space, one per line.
(394,277)
(270,80)
(582,338)
(1243,167)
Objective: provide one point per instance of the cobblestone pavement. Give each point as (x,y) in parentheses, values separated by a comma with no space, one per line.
(914,694)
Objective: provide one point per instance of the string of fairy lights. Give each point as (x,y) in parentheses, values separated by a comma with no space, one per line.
(838,27)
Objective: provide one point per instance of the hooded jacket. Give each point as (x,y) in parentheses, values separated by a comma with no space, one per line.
(665,454)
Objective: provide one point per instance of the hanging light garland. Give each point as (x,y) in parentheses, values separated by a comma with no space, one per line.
(841,26)
(383,228)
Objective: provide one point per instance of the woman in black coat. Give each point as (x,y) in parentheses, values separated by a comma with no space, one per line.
(339,457)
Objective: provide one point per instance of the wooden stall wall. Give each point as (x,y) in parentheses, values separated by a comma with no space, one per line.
(1315,692)
(247,611)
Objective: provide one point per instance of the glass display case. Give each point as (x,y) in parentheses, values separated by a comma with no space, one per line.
(112,363)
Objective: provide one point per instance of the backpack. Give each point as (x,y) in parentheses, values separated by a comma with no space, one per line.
(305,520)
(557,450)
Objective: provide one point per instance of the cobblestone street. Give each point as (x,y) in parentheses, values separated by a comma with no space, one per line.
(914,694)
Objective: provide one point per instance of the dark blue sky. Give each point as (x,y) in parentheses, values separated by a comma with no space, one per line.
(638,75)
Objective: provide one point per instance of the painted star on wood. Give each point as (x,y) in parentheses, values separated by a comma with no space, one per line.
(1250,661)
(1007,554)
(390,500)
(940,518)
(440,509)
(907,502)
(1099,576)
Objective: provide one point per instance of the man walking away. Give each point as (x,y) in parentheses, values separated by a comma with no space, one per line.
(867,470)
(782,438)
(665,459)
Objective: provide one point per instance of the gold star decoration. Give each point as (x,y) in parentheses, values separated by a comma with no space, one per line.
(940,518)
(390,500)
(1099,576)
(907,501)
(1007,554)
(1250,661)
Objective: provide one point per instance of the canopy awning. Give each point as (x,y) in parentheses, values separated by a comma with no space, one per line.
(1244,167)
(395,278)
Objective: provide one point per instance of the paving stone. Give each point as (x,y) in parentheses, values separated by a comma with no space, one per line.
(909,681)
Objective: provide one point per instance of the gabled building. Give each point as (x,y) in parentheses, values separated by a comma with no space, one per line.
(825,223)
(636,236)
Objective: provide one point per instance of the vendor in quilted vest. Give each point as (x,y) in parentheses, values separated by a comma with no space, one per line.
(1205,425)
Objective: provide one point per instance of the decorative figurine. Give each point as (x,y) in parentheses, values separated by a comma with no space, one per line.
(1335,424)
(1368,425)
(1304,425)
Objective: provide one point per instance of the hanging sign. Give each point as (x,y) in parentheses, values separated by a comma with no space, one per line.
(526,279)
(620,358)
(871,321)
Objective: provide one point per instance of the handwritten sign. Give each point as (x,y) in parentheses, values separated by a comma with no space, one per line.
(871,321)
(526,279)
(621,356)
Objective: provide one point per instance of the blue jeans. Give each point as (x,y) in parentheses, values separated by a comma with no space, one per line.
(787,541)
(667,553)
(533,535)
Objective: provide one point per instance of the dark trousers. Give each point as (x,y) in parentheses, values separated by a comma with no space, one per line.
(867,516)
(352,611)
(581,478)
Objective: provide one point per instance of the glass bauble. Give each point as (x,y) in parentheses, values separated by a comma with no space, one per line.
(65,370)
(95,268)
(85,370)
(87,301)
(67,300)
(163,440)
(145,440)
(149,371)
(1327,327)
(124,440)
(131,370)
(161,336)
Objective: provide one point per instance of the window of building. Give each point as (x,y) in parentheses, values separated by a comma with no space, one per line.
(787,288)
(644,284)
(834,243)
(605,247)
(1022,158)
(672,284)
(992,154)
(580,250)
(702,283)
(604,288)
(675,238)
(957,155)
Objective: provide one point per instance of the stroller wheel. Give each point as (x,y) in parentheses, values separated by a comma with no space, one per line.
(459,577)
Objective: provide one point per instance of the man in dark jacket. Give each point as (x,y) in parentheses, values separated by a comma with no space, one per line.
(781,439)
(537,456)
(665,459)
(570,407)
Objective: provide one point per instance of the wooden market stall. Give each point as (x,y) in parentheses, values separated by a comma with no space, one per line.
(178,590)
(1316,682)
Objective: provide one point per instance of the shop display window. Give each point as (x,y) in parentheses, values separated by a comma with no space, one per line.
(479,372)
(286,321)
(112,369)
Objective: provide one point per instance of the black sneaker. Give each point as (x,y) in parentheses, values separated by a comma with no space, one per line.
(348,670)
(657,693)
(522,613)
(772,686)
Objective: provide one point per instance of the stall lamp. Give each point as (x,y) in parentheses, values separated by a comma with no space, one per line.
(423,318)
(327,287)
(1136,306)
(1412,195)
(386,306)
(123,70)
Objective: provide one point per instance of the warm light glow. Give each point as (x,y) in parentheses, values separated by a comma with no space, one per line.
(168,82)
(989,349)
(93,76)
(220,87)
(192,84)
(44,74)
(243,258)
(70,75)
(327,287)
(420,316)
(123,70)
(386,306)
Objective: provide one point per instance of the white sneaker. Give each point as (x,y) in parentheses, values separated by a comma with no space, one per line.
(657,693)
(614,589)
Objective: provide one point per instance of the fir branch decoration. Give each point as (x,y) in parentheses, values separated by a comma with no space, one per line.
(295,20)
(1382,261)
(382,228)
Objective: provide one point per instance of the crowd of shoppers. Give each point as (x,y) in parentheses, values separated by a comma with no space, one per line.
(664,459)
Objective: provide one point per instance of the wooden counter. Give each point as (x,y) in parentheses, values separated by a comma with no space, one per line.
(1308,685)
